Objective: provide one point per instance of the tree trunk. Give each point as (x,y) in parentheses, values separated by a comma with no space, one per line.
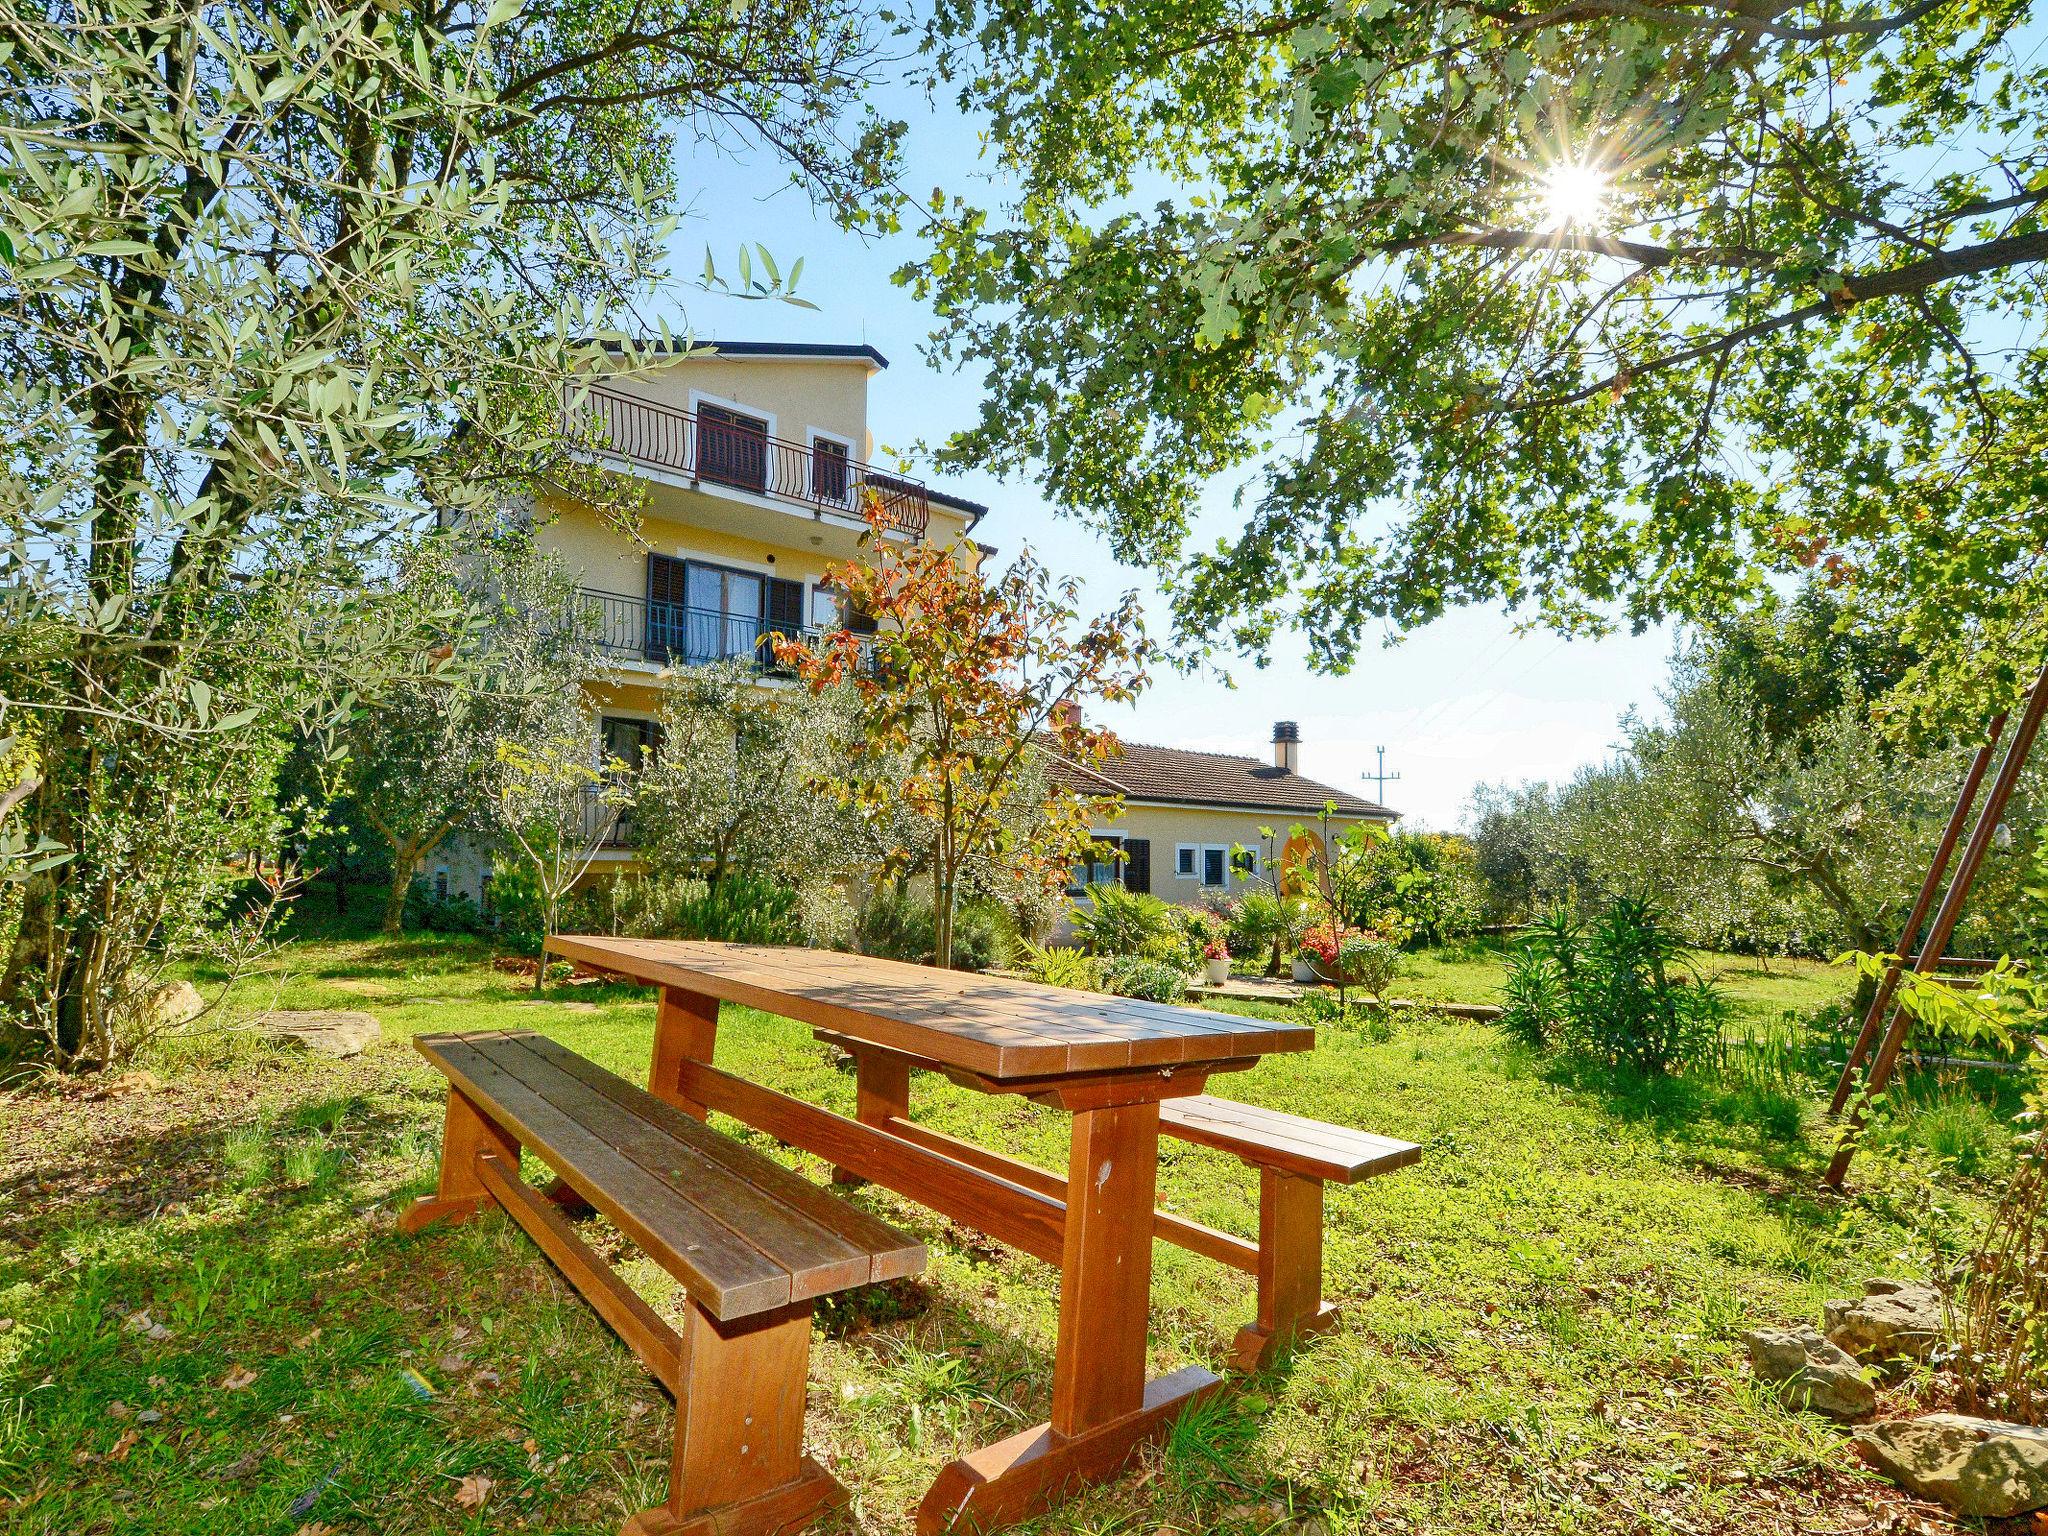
(942,921)
(394,897)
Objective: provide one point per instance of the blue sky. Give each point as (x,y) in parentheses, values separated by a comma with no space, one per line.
(1462,702)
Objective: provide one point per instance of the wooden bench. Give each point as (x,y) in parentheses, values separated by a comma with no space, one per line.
(753,1245)
(1295,1158)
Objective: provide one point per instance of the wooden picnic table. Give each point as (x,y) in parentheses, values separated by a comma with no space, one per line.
(1107,1061)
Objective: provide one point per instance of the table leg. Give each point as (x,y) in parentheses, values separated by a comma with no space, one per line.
(1103,1409)
(685,1029)
(882,1094)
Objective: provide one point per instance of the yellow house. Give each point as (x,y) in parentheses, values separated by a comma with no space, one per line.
(1183,814)
(757,460)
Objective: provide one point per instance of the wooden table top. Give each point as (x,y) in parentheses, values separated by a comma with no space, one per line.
(989,1025)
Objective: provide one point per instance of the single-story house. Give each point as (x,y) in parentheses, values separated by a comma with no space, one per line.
(1183,813)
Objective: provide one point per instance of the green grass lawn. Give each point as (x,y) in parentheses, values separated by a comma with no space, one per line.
(209,1324)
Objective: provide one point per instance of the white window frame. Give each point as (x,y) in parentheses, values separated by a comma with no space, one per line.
(812,437)
(1189,854)
(1247,872)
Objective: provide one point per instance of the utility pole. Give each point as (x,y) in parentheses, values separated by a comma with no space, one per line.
(1382,777)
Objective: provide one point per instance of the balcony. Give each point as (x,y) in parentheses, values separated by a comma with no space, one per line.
(701,447)
(670,634)
(605,825)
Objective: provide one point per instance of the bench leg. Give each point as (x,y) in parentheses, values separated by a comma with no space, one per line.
(466,1134)
(739,1467)
(882,1094)
(1290,1271)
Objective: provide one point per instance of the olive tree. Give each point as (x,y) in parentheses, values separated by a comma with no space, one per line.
(280,276)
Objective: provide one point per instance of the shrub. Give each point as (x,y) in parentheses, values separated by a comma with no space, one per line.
(1062,967)
(441,914)
(1370,961)
(984,936)
(896,924)
(1534,997)
(1115,921)
(1622,1004)
(1998,1293)
(1153,980)
(1257,924)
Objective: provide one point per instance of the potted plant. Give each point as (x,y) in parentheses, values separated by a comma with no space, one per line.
(1316,959)
(1216,962)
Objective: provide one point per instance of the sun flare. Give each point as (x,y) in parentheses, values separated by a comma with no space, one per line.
(1573,194)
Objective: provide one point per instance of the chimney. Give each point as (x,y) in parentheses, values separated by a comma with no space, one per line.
(1066,715)
(1286,745)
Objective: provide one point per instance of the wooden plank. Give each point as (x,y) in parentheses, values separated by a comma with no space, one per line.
(726,1275)
(1272,1138)
(988,1025)
(1105,1268)
(685,1025)
(1008,1212)
(819,1259)
(740,1412)
(1016,1478)
(1223,1247)
(891,1254)
(657,1344)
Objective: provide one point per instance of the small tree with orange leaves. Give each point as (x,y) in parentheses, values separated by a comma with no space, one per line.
(963,681)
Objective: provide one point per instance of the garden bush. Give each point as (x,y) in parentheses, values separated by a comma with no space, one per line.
(1257,924)
(426,912)
(1061,967)
(1613,992)
(1156,981)
(896,924)
(1369,961)
(1114,921)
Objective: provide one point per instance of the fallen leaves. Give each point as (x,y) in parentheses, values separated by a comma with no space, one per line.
(237,1379)
(473,1492)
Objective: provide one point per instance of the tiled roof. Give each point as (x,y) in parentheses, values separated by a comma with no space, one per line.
(1180,777)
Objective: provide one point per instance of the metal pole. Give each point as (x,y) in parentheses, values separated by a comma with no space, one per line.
(1945,920)
(1875,1013)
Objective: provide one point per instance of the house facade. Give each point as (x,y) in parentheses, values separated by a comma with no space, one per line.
(758,464)
(1196,824)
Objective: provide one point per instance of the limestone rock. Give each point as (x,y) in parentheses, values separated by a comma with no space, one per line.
(323,1031)
(1815,1373)
(1978,1467)
(173,1003)
(1893,1320)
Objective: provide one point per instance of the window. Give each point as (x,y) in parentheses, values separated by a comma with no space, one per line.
(632,742)
(1244,864)
(828,608)
(829,462)
(721,614)
(1214,862)
(1101,867)
(441,882)
(1184,856)
(732,448)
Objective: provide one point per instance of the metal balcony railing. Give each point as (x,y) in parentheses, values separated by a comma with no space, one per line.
(606,825)
(821,475)
(675,634)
